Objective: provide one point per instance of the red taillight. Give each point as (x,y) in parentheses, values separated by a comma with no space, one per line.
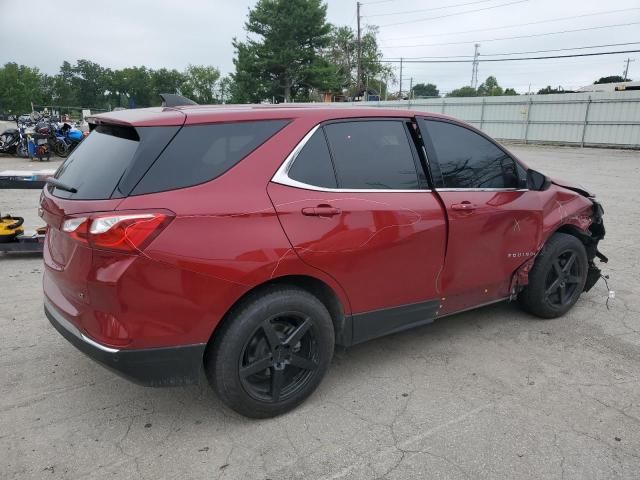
(125,232)
(77,228)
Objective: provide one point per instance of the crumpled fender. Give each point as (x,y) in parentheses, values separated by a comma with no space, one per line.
(571,208)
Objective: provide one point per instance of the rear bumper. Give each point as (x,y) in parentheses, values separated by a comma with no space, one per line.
(152,367)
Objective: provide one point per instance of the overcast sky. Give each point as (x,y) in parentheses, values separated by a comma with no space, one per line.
(173,34)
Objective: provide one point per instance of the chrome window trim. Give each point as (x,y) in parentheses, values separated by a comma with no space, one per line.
(482,189)
(282,174)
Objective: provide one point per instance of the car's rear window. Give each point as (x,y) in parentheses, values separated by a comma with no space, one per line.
(117,161)
(200,153)
(96,165)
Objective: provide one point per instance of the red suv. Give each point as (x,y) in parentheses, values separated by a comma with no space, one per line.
(252,240)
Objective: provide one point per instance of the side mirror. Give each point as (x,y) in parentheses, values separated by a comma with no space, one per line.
(537,181)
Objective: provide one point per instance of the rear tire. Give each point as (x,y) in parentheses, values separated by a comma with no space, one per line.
(557,278)
(61,149)
(271,352)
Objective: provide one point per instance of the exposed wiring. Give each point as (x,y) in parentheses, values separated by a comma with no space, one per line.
(605,278)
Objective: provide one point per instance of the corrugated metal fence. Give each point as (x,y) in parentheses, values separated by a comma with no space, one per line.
(586,119)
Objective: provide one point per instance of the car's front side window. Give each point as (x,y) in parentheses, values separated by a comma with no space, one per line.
(373,154)
(468,160)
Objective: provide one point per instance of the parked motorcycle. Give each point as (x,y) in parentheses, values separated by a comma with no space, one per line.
(9,140)
(38,143)
(14,140)
(72,136)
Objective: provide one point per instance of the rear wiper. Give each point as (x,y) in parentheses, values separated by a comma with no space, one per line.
(62,186)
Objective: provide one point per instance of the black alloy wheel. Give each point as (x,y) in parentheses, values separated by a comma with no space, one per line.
(563,279)
(557,278)
(271,351)
(280,358)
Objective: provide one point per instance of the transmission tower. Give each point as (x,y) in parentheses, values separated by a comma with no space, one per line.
(474,68)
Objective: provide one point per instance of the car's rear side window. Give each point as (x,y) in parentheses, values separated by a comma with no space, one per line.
(200,153)
(96,165)
(373,154)
(313,164)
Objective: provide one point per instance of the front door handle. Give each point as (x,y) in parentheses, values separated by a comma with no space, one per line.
(321,211)
(464,206)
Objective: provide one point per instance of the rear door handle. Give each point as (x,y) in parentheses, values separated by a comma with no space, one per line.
(464,206)
(321,211)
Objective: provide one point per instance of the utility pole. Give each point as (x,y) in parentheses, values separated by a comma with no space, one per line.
(359,53)
(400,78)
(386,88)
(410,88)
(474,68)
(626,69)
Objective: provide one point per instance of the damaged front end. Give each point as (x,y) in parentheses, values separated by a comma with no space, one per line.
(592,238)
(590,232)
(597,232)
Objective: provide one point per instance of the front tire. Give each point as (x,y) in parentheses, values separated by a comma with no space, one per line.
(557,278)
(271,352)
(22,150)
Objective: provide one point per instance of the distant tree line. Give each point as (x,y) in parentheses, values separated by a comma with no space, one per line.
(488,88)
(88,84)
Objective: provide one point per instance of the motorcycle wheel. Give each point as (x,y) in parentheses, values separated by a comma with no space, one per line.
(5,144)
(62,150)
(22,150)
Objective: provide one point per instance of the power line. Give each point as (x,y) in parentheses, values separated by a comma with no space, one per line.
(525,53)
(378,1)
(429,9)
(513,59)
(559,19)
(511,38)
(452,14)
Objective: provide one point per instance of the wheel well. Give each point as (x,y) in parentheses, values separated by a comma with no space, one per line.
(586,239)
(318,288)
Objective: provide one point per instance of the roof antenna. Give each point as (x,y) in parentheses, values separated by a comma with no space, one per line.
(173,100)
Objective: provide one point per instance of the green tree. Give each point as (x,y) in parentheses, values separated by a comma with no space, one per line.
(165,81)
(549,90)
(510,91)
(90,83)
(463,92)
(19,86)
(201,83)
(282,58)
(64,92)
(611,79)
(342,54)
(225,89)
(490,88)
(425,90)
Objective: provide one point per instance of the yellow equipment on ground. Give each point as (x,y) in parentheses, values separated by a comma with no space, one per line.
(10,228)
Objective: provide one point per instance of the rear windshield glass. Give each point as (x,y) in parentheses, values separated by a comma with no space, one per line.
(96,165)
(200,153)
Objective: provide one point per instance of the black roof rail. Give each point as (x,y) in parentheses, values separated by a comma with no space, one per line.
(173,100)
